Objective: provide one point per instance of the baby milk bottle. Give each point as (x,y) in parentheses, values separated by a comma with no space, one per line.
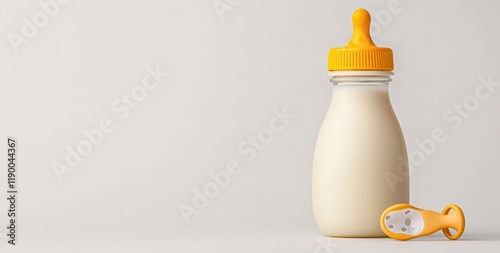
(360,163)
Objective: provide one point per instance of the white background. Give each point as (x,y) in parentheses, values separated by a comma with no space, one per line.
(226,76)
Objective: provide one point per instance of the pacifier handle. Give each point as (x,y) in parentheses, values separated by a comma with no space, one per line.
(458,219)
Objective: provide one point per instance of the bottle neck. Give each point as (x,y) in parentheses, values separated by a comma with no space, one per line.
(361,78)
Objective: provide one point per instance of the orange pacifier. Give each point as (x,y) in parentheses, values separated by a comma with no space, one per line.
(404,221)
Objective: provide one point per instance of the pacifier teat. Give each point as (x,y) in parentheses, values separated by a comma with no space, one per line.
(404,221)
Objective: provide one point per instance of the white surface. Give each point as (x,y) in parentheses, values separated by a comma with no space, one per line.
(263,241)
(226,78)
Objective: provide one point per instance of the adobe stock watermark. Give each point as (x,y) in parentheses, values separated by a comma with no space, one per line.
(31,26)
(221,179)
(222,7)
(121,107)
(454,117)
(326,244)
(382,18)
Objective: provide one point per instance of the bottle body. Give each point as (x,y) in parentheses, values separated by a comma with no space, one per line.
(359,152)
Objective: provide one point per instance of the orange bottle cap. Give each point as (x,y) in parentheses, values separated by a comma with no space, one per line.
(360,53)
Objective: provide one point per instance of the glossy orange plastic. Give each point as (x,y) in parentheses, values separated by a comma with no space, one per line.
(431,222)
(360,53)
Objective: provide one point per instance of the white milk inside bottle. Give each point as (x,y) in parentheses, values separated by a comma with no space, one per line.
(360,163)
